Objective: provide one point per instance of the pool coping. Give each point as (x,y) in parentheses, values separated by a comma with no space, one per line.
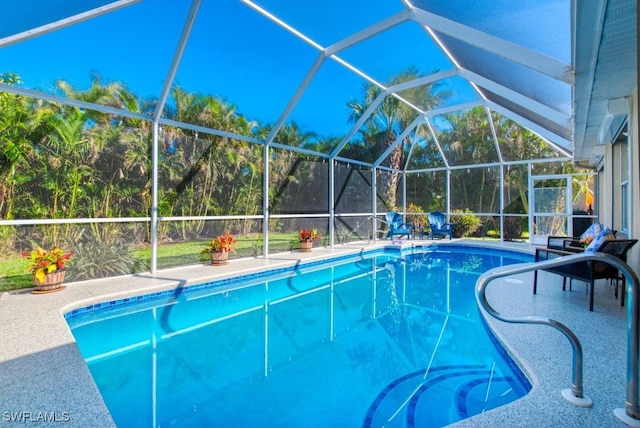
(43,375)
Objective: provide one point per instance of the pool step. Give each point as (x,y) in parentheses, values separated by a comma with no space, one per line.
(448,394)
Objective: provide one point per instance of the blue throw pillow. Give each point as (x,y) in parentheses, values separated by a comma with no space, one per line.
(598,240)
(593,230)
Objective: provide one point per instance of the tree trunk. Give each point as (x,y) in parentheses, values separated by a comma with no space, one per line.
(395,162)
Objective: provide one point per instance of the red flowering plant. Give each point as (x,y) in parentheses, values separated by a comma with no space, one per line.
(224,242)
(44,262)
(309,235)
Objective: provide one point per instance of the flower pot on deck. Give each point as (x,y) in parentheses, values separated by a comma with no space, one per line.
(305,246)
(219,258)
(52,282)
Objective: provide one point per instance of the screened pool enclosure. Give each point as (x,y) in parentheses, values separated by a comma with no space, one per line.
(137,130)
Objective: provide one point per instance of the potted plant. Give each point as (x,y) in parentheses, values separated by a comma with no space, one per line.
(220,247)
(307,236)
(47,268)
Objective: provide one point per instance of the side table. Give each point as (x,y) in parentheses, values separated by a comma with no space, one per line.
(417,231)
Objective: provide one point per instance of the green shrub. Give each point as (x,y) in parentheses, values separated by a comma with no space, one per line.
(7,240)
(493,233)
(464,222)
(512,228)
(343,234)
(100,260)
(415,214)
(257,247)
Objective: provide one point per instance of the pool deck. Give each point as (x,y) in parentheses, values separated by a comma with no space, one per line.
(43,375)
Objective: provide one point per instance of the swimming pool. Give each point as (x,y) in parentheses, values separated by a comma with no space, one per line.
(383,338)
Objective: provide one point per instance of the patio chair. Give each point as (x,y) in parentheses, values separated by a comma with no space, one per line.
(396,226)
(439,225)
(576,245)
(587,271)
(561,242)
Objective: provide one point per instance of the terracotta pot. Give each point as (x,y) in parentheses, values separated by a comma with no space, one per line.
(305,246)
(219,258)
(52,282)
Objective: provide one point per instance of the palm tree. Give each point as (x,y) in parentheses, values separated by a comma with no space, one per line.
(112,94)
(468,141)
(205,174)
(388,121)
(291,177)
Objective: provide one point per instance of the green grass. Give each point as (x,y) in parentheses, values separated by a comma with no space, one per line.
(14,275)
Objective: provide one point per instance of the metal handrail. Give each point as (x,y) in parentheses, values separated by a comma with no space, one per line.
(631,412)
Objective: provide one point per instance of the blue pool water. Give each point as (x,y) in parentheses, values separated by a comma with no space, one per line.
(379,339)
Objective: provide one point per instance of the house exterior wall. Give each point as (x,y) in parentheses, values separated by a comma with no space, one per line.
(605,179)
(622,162)
(634,183)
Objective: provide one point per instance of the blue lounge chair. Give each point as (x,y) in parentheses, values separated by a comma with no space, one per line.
(439,225)
(396,226)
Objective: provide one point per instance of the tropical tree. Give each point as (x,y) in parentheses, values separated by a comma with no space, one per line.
(15,146)
(297,183)
(468,140)
(205,174)
(388,121)
(519,144)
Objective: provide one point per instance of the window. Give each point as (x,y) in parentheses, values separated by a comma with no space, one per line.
(624,206)
(621,181)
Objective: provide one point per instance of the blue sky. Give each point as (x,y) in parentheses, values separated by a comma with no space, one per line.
(233,53)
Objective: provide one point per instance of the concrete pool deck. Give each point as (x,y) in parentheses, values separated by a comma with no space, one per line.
(44,378)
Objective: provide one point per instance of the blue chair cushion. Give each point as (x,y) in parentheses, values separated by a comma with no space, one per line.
(593,230)
(603,234)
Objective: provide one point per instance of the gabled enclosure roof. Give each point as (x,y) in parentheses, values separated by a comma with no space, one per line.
(561,68)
